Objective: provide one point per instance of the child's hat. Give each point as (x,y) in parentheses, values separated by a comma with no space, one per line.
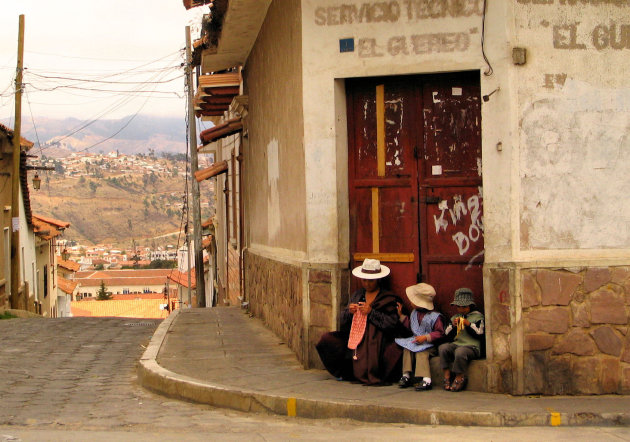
(421,295)
(463,297)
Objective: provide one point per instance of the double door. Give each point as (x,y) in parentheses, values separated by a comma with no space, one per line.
(414,167)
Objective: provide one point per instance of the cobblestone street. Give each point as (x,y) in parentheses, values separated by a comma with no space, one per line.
(74,379)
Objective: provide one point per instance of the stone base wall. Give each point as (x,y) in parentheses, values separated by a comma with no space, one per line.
(576,337)
(499,330)
(274,292)
(558,331)
(327,293)
(234,279)
(321,308)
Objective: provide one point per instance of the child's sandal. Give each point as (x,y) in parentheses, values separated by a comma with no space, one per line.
(447,384)
(458,384)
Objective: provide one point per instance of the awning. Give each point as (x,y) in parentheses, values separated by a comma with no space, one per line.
(234,35)
(212,171)
(230,127)
(215,93)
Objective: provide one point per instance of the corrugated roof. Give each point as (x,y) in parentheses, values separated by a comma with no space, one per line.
(141,308)
(216,92)
(69,265)
(53,221)
(212,171)
(66,285)
(48,228)
(181,278)
(26,144)
(229,127)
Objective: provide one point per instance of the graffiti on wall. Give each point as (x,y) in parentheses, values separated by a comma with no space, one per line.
(464,215)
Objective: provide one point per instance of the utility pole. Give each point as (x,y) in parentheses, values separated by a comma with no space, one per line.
(15,176)
(201,294)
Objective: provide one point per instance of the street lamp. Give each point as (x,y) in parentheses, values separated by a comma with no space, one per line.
(37,182)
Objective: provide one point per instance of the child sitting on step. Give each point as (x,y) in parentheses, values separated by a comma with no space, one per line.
(465,330)
(426,327)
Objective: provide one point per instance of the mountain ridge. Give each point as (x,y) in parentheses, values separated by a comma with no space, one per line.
(59,137)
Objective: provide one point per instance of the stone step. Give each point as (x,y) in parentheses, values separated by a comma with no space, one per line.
(477,370)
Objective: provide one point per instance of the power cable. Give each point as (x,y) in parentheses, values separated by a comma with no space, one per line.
(115,106)
(488,71)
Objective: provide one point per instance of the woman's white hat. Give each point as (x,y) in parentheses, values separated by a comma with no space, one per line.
(371,269)
(421,295)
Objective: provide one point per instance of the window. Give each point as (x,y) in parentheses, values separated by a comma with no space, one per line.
(45,281)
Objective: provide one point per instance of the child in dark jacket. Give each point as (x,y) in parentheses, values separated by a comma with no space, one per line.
(427,328)
(465,330)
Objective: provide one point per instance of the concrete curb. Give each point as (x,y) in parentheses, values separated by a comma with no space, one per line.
(160,380)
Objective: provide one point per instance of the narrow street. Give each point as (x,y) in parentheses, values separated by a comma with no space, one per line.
(75,379)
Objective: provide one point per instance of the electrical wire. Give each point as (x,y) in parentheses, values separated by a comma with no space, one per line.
(33,121)
(103,81)
(488,71)
(113,107)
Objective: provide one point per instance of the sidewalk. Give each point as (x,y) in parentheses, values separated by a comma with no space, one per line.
(224,358)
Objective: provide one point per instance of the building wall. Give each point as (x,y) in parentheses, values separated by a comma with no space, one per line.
(274,164)
(275,149)
(5,248)
(555,136)
(118,289)
(28,260)
(554,159)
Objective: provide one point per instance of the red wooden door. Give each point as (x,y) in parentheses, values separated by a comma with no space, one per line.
(415,180)
(383,186)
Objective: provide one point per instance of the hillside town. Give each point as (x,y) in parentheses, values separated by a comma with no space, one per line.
(86,164)
(425,194)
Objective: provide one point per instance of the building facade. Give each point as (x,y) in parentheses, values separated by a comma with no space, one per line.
(461,142)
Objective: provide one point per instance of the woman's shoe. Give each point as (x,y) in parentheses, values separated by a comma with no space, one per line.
(458,384)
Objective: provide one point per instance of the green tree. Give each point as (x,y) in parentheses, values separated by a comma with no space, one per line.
(103,294)
(93,186)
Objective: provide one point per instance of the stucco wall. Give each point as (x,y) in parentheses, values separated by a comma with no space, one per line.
(274,160)
(574,99)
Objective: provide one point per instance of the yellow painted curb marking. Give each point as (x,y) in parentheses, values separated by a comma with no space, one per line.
(555,418)
(291,407)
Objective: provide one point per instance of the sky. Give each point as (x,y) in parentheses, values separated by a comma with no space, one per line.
(96,59)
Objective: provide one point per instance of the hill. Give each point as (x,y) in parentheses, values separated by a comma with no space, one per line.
(117,208)
(134,134)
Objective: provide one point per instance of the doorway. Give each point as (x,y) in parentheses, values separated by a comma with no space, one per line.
(415,183)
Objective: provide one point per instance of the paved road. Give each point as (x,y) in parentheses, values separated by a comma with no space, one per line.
(75,379)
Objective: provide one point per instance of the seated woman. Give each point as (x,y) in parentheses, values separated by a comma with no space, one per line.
(364,349)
